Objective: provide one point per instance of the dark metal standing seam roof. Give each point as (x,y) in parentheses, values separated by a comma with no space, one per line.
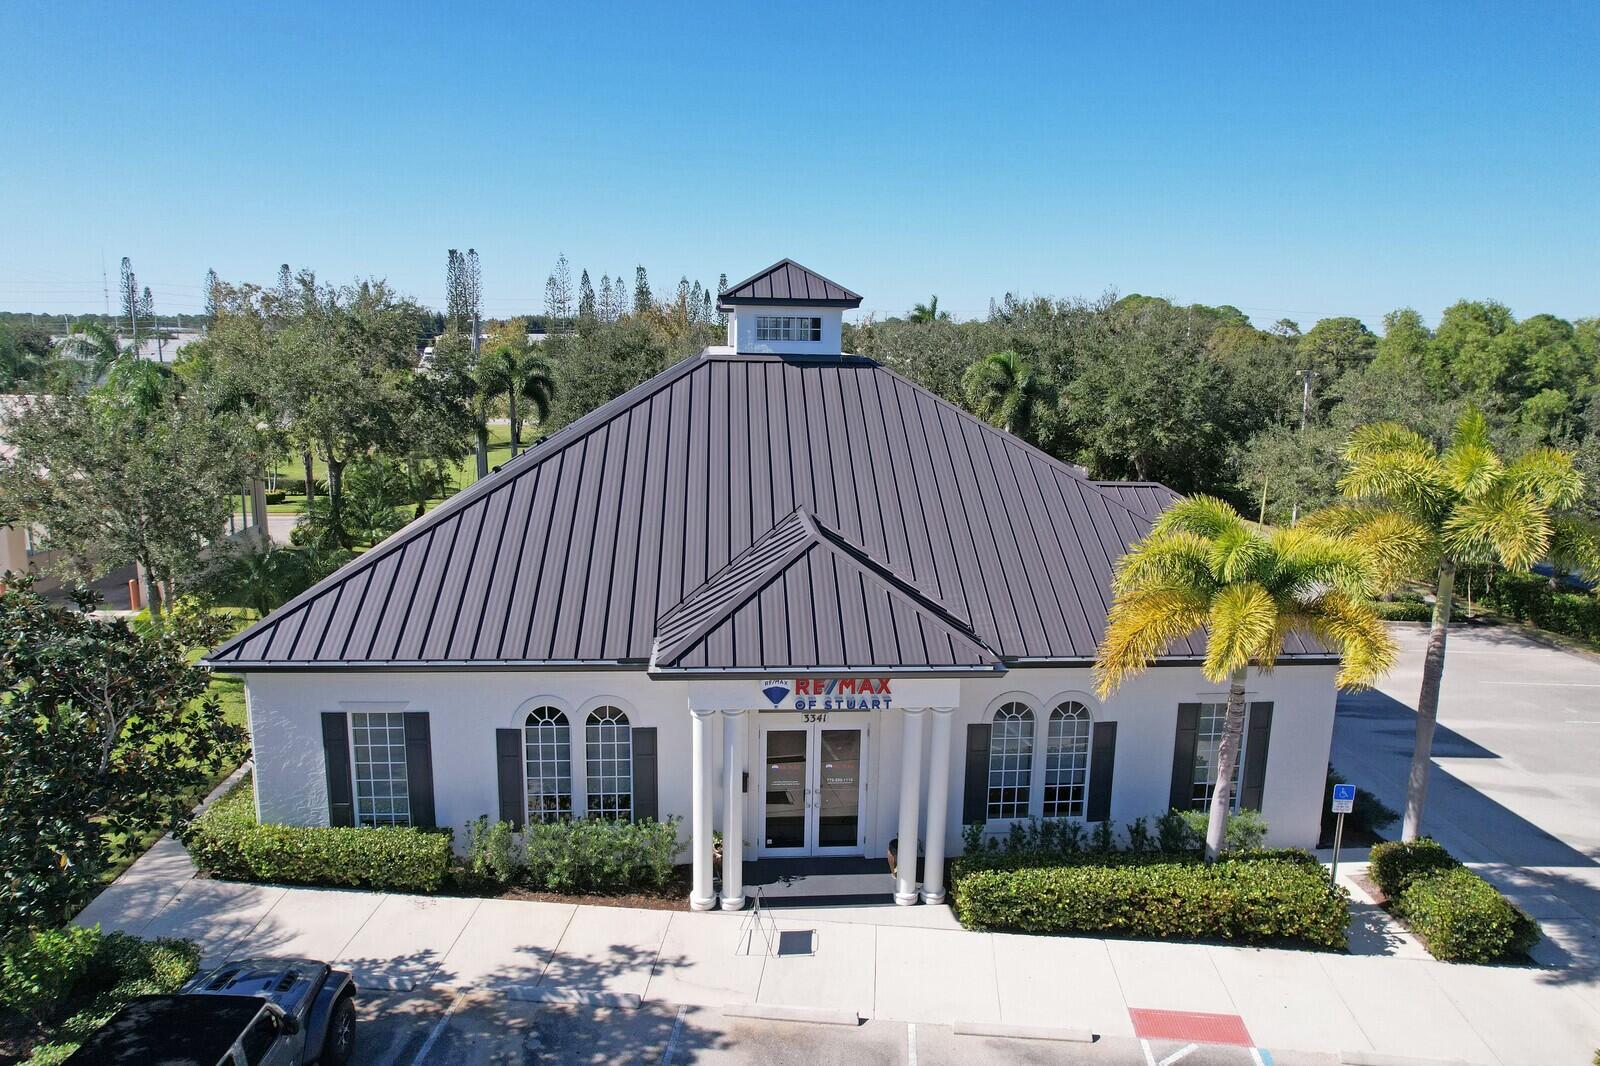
(787,282)
(572,552)
(1147,498)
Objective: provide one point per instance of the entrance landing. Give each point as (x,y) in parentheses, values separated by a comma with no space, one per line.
(846,881)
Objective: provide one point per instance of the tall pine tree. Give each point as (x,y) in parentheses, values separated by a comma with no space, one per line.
(586,307)
(641,291)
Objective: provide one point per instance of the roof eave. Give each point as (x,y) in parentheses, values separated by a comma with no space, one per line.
(728,303)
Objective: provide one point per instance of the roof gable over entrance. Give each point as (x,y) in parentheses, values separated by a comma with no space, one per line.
(801,597)
(572,552)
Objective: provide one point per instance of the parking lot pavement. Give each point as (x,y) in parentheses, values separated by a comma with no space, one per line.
(442,1026)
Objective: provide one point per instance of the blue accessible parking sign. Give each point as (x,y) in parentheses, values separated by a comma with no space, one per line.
(1344,799)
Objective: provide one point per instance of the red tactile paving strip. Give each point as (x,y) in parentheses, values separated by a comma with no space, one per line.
(1190,1025)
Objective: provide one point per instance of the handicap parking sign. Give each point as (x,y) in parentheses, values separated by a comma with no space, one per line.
(1344,799)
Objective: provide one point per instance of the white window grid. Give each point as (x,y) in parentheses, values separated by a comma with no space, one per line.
(378,744)
(788,328)
(1066,762)
(1208,738)
(608,751)
(547,745)
(1010,762)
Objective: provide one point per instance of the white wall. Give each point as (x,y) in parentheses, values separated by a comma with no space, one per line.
(742,331)
(467,707)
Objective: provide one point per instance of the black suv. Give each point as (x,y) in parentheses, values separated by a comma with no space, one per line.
(256,1012)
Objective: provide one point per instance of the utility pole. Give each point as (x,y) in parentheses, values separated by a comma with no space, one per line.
(1305,413)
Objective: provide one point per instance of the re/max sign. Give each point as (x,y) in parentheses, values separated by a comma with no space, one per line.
(829,694)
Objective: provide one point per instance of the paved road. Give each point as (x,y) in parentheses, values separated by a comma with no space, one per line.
(407,1029)
(1516,779)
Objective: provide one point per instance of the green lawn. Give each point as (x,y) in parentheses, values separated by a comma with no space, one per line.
(460,475)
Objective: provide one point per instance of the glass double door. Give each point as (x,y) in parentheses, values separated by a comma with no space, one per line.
(812,789)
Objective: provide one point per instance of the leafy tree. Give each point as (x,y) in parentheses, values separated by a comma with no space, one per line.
(114,478)
(1414,507)
(26,359)
(603,365)
(1289,471)
(1335,345)
(1006,391)
(1204,569)
(107,733)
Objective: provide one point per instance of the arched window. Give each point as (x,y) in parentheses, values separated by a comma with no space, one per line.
(1066,761)
(1010,762)
(608,750)
(547,742)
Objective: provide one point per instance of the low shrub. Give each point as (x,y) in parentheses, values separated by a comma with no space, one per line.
(106,970)
(1458,915)
(1393,865)
(276,496)
(1246,829)
(37,974)
(1175,833)
(1529,598)
(493,852)
(1403,610)
(1463,918)
(228,842)
(1252,897)
(595,855)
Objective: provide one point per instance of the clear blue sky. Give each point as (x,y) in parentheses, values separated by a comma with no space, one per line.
(1294,162)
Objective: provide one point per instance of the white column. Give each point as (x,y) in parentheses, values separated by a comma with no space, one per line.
(733,743)
(938,804)
(905,885)
(703,896)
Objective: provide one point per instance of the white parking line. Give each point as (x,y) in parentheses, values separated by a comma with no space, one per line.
(911,1044)
(438,1030)
(672,1041)
(1180,1053)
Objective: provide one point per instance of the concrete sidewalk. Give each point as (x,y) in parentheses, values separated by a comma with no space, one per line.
(887,963)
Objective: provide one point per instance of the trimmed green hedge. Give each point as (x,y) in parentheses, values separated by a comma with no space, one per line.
(227,841)
(1253,897)
(1529,598)
(1403,610)
(1458,915)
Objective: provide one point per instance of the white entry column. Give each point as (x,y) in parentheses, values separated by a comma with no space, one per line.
(703,895)
(905,885)
(938,804)
(733,745)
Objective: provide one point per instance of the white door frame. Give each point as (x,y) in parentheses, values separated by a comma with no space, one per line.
(798,722)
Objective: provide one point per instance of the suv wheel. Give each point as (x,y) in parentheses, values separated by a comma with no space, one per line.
(340,1043)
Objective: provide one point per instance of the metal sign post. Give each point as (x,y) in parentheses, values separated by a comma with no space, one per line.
(1344,801)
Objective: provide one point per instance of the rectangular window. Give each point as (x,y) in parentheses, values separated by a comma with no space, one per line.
(1208,738)
(378,744)
(788,328)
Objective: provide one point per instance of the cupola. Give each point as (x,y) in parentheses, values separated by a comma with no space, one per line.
(786,309)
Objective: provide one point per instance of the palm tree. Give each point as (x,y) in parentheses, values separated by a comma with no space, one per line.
(1202,567)
(925,314)
(518,373)
(85,355)
(1006,391)
(1417,508)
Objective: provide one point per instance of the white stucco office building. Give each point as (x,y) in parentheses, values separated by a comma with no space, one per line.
(777,591)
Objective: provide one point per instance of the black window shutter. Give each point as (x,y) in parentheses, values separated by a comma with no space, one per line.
(336,755)
(508,760)
(645,803)
(975,789)
(1102,759)
(419,769)
(1182,797)
(1257,738)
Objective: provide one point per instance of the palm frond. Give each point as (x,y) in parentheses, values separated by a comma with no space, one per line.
(1307,563)
(1472,468)
(1239,554)
(1201,516)
(1416,482)
(1140,627)
(1548,475)
(1354,628)
(1161,560)
(1239,625)
(1504,526)
(1575,544)
(1472,429)
(1384,437)
(1342,519)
